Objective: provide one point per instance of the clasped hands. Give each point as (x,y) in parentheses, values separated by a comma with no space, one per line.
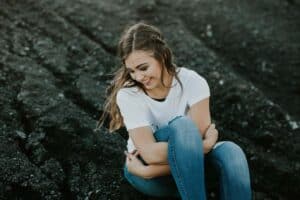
(133,163)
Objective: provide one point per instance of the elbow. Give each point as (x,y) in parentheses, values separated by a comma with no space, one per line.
(148,177)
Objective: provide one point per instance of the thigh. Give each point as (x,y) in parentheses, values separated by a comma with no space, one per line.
(230,161)
(163,186)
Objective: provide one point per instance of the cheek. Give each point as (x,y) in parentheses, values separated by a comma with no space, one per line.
(158,73)
(155,72)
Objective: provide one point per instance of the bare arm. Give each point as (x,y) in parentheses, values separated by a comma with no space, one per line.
(152,171)
(136,167)
(211,137)
(200,114)
(156,152)
(151,151)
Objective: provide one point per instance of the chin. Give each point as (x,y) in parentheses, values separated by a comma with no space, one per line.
(154,84)
(149,87)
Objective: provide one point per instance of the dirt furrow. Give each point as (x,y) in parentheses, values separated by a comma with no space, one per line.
(260,40)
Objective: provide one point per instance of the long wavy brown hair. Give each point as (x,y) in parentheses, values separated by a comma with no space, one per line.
(139,36)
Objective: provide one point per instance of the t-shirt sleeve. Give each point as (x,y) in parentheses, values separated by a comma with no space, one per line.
(134,111)
(197,88)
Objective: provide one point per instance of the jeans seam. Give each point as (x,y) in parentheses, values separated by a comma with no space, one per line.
(181,185)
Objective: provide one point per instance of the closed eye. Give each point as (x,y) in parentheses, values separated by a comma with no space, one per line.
(141,68)
(144,68)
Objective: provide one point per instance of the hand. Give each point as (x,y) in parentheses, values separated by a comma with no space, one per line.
(134,164)
(211,134)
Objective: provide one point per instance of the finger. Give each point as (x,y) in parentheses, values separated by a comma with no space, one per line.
(133,157)
(130,156)
(214,131)
(136,153)
(126,153)
(212,126)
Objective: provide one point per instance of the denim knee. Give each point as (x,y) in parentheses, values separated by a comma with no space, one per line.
(232,165)
(183,131)
(177,125)
(182,123)
(232,152)
(229,145)
(179,119)
(233,160)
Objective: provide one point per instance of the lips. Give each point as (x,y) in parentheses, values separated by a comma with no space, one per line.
(146,82)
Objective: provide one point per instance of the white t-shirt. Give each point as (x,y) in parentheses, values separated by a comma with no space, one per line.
(138,109)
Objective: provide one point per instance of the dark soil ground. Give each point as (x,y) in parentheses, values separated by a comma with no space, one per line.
(56,58)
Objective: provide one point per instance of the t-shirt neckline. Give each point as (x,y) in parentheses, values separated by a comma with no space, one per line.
(173,84)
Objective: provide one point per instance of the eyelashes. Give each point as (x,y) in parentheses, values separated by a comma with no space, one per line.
(144,68)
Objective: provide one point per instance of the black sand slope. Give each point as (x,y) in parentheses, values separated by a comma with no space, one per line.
(56,59)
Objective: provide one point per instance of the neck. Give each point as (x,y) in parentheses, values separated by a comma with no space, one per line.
(163,90)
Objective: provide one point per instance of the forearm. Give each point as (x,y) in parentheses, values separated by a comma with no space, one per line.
(152,171)
(156,170)
(155,153)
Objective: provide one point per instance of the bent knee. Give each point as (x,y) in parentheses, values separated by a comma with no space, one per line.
(232,155)
(231,147)
(183,123)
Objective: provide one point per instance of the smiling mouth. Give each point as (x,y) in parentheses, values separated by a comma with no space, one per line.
(147,82)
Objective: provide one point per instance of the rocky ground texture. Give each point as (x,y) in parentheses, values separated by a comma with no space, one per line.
(57,57)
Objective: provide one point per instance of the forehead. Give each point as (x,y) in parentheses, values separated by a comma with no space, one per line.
(138,57)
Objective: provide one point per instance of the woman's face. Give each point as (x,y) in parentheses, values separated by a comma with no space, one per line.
(144,68)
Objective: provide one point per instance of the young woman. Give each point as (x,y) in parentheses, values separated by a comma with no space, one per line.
(165,110)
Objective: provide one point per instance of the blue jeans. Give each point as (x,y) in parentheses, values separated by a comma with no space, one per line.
(186,161)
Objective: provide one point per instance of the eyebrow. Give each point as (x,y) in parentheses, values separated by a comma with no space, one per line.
(137,67)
